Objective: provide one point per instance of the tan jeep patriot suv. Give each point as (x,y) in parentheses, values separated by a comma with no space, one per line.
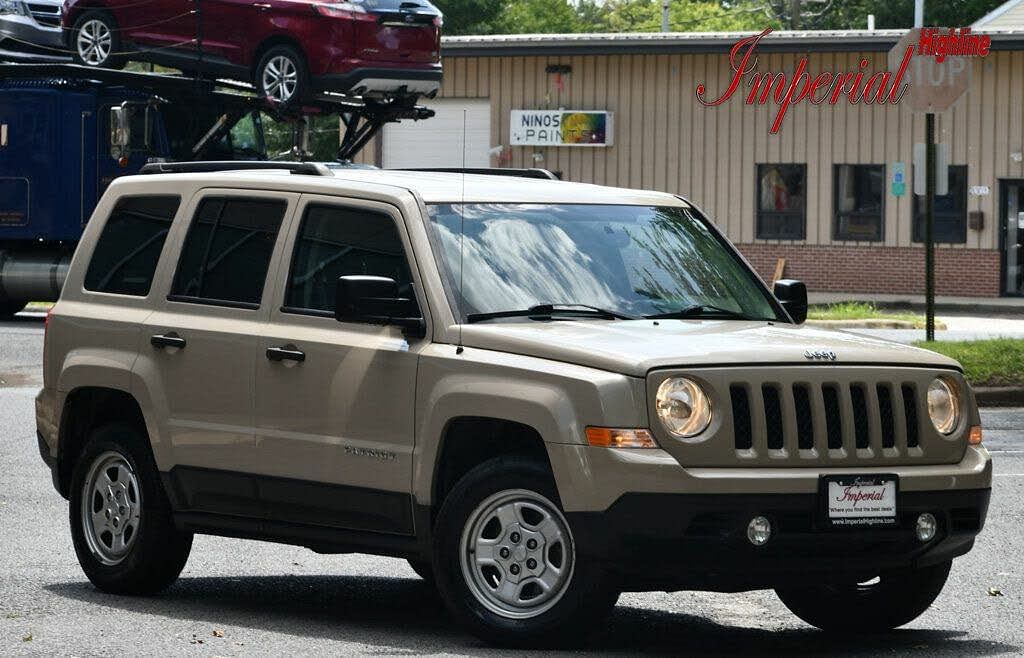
(539,393)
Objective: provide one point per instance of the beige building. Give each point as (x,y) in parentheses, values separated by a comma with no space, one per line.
(823,193)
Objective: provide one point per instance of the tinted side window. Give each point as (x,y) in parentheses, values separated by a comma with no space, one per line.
(333,242)
(129,248)
(227,251)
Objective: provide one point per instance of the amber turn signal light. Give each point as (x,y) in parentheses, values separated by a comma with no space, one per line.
(975,436)
(611,437)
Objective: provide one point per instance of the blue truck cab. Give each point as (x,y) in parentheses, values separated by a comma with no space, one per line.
(62,142)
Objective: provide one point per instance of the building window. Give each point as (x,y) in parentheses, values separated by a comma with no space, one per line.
(781,201)
(859,192)
(950,210)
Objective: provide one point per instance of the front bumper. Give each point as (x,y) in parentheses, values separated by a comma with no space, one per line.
(694,541)
(24,33)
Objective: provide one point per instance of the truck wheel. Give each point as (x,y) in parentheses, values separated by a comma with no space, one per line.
(506,563)
(281,76)
(893,599)
(96,41)
(121,521)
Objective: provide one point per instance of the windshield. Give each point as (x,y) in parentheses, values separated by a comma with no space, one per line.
(633,260)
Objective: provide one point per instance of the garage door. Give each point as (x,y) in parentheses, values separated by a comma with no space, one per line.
(437,142)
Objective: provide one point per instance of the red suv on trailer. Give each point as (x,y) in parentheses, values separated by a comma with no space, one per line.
(287,48)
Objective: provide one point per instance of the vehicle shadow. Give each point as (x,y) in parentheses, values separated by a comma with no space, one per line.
(407,615)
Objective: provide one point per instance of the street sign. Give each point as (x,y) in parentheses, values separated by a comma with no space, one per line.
(933,86)
(899,179)
(941,169)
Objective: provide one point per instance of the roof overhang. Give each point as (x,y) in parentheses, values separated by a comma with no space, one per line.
(656,43)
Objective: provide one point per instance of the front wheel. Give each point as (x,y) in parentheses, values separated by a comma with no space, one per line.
(506,562)
(891,600)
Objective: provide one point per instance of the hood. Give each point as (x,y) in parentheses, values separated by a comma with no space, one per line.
(634,347)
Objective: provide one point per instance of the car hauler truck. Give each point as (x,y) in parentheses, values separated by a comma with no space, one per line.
(66,132)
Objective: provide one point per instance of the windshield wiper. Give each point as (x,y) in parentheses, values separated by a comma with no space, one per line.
(696,311)
(546,311)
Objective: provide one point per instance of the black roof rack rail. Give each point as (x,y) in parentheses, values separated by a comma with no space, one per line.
(200,167)
(489,171)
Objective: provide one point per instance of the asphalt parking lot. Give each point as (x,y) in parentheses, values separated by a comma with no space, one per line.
(247,598)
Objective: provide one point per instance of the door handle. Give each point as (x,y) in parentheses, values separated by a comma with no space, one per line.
(286,353)
(262,6)
(170,339)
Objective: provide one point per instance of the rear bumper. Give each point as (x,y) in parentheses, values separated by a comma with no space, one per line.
(382,80)
(693,541)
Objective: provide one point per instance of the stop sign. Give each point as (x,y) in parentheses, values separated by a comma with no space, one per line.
(933,86)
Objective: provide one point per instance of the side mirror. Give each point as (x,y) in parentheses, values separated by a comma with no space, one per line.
(120,131)
(793,295)
(375,300)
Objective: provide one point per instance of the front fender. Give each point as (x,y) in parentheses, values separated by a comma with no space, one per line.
(558,400)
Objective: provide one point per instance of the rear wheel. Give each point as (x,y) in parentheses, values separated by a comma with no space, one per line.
(506,562)
(281,76)
(96,41)
(887,602)
(121,521)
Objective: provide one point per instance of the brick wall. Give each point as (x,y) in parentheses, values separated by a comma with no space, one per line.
(884,270)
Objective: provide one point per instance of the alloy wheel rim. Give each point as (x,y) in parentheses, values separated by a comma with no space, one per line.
(94,42)
(280,78)
(111,508)
(517,554)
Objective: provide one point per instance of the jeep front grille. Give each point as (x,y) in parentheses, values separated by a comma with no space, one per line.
(853,418)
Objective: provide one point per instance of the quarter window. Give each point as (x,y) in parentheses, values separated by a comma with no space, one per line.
(950,210)
(227,251)
(859,202)
(781,199)
(334,242)
(128,250)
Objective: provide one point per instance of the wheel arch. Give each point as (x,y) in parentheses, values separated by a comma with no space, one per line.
(272,41)
(84,409)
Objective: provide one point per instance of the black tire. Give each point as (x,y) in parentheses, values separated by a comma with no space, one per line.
(423,570)
(97,19)
(586,597)
(9,308)
(157,551)
(272,61)
(897,598)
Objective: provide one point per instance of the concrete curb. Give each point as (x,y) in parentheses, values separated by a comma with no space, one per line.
(869,324)
(999,396)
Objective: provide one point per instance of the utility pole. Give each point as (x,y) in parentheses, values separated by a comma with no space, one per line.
(664,16)
(929,206)
(794,14)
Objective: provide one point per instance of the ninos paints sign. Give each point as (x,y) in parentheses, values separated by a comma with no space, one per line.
(561,128)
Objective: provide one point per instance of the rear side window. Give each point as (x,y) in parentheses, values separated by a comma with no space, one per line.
(334,242)
(227,251)
(129,248)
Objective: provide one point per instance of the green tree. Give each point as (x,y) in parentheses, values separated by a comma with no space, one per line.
(539,17)
(470,16)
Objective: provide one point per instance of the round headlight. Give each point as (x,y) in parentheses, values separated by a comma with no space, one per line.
(683,407)
(944,405)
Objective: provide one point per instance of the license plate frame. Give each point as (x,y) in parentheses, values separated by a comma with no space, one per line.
(842,515)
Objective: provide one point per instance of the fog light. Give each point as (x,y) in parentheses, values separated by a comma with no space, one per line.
(925,527)
(759,531)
